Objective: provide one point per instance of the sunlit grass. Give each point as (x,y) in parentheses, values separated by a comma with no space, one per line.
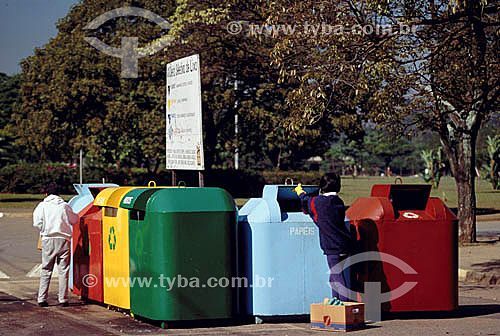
(487,198)
(361,187)
(21,201)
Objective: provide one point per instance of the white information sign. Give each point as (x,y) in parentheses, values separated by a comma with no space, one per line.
(184,120)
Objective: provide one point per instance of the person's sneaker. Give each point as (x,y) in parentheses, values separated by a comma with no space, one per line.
(43,304)
(64,304)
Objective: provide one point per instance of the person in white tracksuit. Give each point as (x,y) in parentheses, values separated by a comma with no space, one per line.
(54,218)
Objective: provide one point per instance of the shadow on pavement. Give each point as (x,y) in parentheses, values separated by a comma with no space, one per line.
(229,322)
(480,211)
(462,311)
(489,266)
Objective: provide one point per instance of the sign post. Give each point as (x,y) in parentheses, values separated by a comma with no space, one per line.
(184,144)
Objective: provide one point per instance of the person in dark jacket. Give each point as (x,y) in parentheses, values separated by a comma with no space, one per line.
(328,212)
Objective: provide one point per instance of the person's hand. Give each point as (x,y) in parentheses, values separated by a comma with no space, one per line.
(298,189)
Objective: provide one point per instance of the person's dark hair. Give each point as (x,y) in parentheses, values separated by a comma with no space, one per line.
(330,182)
(51,189)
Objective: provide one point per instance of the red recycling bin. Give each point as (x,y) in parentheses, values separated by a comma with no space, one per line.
(87,254)
(404,222)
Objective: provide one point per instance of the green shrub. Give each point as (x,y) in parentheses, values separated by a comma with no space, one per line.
(31,178)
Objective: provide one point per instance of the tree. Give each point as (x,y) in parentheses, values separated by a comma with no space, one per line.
(73,95)
(351,153)
(493,167)
(374,153)
(259,100)
(9,101)
(443,74)
(387,149)
(9,96)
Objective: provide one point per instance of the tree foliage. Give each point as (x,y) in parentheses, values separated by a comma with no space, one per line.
(9,101)
(74,96)
(258,99)
(373,154)
(442,75)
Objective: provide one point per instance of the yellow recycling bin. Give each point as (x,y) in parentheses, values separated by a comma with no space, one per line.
(115,236)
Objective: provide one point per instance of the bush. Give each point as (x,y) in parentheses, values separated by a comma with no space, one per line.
(243,183)
(32,178)
(239,183)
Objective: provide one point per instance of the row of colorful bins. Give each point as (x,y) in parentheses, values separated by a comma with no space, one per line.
(90,242)
(158,235)
(193,233)
(277,241)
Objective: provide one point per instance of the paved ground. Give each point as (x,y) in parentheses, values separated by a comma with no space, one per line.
(479,312)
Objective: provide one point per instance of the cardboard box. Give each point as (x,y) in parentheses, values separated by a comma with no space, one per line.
(338,318)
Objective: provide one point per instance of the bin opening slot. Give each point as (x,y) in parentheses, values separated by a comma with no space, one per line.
(137,215)
(110,212)
(288,199)
(409,197)
(95,191)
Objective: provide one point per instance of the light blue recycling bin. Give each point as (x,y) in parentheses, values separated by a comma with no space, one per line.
(85,196)
(280,255)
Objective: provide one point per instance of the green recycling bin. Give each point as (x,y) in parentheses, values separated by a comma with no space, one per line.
(182,253)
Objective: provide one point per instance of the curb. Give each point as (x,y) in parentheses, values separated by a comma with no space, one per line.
(484,278)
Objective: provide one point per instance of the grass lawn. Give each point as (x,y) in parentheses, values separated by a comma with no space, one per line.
(351,189)
(487,198)
(23,201)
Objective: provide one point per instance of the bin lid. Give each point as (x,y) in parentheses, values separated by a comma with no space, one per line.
(137,198)
(277,199)
(190,200)
(404,196)
(88,188)
(86,194)
(286,197)
(111,197)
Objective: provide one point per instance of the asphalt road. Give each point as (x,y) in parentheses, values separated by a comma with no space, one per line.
(488,229)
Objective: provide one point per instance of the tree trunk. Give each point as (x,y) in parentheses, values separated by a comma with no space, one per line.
(156,169)
(462,159)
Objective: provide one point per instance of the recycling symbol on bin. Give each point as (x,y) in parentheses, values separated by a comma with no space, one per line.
(112,238)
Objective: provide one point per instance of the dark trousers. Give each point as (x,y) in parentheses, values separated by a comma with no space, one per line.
(334,259)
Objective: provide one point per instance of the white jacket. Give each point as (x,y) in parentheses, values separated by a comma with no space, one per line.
(54,218)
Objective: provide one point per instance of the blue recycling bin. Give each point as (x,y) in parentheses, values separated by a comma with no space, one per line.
(85,194)
(280,255)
